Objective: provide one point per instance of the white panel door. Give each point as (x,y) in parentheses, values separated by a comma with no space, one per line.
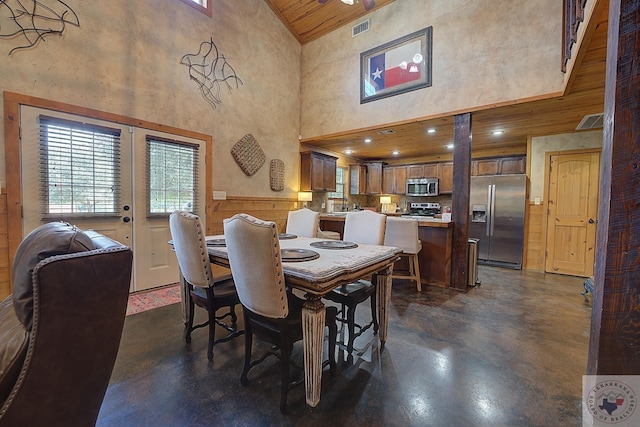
(155,263)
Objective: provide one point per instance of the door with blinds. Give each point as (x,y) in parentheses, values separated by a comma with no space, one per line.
(118,180)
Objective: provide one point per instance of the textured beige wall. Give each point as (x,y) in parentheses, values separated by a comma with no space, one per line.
(484,52)
(125,59)
(543,144)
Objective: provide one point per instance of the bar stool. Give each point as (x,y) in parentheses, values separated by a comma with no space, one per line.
(403,233)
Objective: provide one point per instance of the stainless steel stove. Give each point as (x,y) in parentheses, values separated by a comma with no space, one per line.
(423,209)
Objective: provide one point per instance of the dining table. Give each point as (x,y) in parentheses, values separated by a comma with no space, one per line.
(317,266)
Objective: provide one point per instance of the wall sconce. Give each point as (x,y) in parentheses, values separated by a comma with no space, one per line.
(385,200)
(305,196)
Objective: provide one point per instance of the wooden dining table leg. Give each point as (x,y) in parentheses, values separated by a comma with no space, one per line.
(313,319)
(383,286)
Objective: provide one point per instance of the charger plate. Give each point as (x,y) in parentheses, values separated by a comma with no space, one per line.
(216,242)
(285,236)
(298,255)
(333,244)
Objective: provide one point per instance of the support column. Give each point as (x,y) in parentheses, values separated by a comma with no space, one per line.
(614,347)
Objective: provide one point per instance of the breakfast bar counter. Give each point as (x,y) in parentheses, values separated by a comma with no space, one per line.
(435,257)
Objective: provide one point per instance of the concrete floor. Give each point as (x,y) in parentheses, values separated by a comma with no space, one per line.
(510,352)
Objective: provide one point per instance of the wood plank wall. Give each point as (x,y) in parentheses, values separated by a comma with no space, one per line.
(534,238)
(5,286)
(268,209)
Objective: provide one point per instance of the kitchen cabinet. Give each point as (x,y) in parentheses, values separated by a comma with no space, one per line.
(445,177)
(365,178)
(374,178)
(317,172)
(357,179)
(427,170)
(394,180)
(499,166)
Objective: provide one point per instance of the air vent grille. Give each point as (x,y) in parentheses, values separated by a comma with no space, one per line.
(591,121)
(360,28)
(386,132)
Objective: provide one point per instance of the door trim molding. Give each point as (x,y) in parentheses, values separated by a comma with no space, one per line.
(12,103)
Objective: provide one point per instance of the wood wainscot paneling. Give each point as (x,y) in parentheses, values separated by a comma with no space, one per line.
(267,209)
(534,238)
(5,285)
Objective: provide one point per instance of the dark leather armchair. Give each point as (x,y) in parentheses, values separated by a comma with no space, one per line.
(60,329)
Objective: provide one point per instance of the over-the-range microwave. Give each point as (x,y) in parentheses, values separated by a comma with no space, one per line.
(422,187)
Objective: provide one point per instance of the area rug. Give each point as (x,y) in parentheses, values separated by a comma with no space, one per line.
(154,298)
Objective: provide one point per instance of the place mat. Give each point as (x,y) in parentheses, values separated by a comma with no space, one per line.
(334,244)
(297,255)
(216,242)
(285,236)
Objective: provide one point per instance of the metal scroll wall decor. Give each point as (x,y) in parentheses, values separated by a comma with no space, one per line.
(211,71)
(33,20)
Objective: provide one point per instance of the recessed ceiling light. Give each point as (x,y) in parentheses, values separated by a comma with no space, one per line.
(347,152)
(497,132)
(367,140)
(449,146)
(395,153)
(431,130)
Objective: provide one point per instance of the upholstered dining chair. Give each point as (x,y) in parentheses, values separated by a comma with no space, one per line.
(403,233)
(364,227)
(303,222)
(271,311)
(200,287)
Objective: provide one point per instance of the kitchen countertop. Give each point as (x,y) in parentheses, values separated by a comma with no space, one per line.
(422,221)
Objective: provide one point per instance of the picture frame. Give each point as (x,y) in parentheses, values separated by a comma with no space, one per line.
(400,66)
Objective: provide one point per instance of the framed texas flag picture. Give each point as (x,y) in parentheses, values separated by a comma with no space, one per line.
(396,67)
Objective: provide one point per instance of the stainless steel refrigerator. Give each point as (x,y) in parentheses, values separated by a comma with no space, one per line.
(497,205)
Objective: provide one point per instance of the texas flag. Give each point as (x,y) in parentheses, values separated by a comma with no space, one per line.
(397,66)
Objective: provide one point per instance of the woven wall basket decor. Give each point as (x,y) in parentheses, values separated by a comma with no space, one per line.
(276,174)
(248,154)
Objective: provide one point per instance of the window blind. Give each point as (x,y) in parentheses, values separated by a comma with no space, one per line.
(172,176)
(79,169)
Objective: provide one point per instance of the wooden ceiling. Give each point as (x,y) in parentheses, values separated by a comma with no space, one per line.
(518,120)
(307,19)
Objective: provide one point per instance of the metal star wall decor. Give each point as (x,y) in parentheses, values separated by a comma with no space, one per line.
(211,71)
(33,20)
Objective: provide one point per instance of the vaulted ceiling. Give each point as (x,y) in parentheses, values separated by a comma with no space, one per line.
(308,20)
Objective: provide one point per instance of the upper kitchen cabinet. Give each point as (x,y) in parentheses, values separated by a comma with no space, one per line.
(445,177)
(357,179)
(365,178)
(429,170)
(374,178)
(499,166)
(317,172)
(394,180)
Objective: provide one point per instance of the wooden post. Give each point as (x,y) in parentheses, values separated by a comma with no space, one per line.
(615,334)
(460,200)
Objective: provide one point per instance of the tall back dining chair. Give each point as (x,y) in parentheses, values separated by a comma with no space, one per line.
(403,233)
(303,222)
(199,286)
(271,311)
(364,227)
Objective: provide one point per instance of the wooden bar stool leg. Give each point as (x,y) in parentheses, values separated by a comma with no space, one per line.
(416,270)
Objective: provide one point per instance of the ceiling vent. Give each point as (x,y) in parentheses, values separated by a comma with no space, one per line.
(591,121)
(386,132)
(360,28)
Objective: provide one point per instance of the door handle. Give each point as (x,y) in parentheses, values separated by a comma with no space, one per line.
(126,219)
(591,221)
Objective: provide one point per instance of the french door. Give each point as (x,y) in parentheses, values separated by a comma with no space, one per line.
(129,207)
